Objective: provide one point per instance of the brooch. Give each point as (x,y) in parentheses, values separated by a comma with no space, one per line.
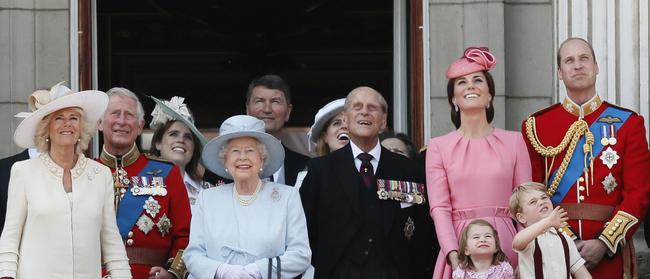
(275,194)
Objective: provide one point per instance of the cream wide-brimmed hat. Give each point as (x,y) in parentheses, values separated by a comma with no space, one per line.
(240,126)
(323,115)
(174,109)
(43,102)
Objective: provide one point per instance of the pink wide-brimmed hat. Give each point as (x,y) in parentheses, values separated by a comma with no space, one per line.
(474,59)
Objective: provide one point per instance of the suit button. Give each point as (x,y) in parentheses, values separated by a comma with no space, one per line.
(369,240)
(365,253)
(582,198)
(129,242)
(130,234)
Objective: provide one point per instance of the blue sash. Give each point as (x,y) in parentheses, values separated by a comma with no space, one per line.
(577,164)
(131,206)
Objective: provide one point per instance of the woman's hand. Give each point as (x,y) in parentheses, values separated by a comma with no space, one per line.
(157,272)
(452,257)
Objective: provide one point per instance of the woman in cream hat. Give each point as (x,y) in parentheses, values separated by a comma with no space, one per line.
(476,158)
(60,213)
(249,227)
(176,139)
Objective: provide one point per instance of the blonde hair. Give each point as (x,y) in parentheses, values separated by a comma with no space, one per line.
(515,198)
(42,135)
(466,261)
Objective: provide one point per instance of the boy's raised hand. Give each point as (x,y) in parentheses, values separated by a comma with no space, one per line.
(558,218)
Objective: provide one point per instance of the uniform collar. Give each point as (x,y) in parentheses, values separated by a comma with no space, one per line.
(581,111)
(127,159)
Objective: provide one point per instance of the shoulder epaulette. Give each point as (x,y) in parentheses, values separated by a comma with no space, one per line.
(423,149)
(157,158)
(620,107)
(540,112)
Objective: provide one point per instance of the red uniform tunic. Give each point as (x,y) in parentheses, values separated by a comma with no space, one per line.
(143,249)
(620,202)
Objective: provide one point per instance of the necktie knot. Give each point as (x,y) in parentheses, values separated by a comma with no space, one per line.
(365,157)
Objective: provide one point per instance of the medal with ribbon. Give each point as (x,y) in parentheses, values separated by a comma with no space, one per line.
(403,191)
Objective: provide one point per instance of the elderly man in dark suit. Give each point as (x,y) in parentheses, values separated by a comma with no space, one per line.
(354,233)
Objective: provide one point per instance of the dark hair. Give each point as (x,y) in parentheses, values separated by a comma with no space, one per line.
(192,167)
(269,81)
(559,59)
(410,147)
(455,115)
(466,261)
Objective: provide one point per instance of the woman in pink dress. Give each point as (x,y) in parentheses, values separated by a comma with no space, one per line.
(471,171)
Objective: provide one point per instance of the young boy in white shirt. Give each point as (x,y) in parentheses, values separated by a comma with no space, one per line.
(544,252)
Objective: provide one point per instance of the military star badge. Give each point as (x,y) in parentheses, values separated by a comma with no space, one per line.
(145,224)
(409,228)
(151,206)
(164,225)
(609,157)
(609,183)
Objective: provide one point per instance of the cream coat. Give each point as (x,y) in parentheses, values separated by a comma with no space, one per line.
(49,235)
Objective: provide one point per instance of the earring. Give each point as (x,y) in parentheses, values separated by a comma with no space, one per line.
(79,140)
(261,169)
(455,107)
(226,169)
(47,139)
(488,106)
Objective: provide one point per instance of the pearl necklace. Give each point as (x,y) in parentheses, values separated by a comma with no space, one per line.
(247,201)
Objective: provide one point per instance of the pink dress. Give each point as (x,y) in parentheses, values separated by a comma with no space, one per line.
(473,178)
(501,271)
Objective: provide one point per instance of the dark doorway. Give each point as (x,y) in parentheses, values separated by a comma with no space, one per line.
(208,51)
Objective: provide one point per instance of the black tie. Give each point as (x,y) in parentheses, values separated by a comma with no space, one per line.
(366,171)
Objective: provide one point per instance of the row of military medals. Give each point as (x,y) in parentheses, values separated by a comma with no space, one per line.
(142,185)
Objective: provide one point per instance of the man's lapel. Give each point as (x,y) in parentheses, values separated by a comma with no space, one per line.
(384,172)
(348,176)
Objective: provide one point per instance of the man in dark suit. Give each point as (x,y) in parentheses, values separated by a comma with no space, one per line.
(5,171)
(269,99)
(352,232)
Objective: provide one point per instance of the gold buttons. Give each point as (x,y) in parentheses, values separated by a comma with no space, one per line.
(581,188)
(129,242)
(130,234)
(582,198)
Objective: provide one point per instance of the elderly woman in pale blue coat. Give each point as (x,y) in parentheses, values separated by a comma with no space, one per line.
(251,228)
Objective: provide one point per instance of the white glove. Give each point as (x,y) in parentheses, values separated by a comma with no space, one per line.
(253,271)
(229,271)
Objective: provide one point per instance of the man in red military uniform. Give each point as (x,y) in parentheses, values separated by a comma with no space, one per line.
(153,210)
(594,158)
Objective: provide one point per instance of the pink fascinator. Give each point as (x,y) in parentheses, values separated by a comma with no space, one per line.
(474,59)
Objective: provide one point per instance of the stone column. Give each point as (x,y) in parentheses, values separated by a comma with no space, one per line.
(34,53)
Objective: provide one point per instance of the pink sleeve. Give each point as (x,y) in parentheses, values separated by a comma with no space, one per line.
(523,170)
(439,199)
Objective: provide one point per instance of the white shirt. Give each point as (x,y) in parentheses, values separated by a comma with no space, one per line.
(375,152)
(553,264)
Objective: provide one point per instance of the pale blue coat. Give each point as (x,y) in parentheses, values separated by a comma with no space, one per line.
(224,231)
